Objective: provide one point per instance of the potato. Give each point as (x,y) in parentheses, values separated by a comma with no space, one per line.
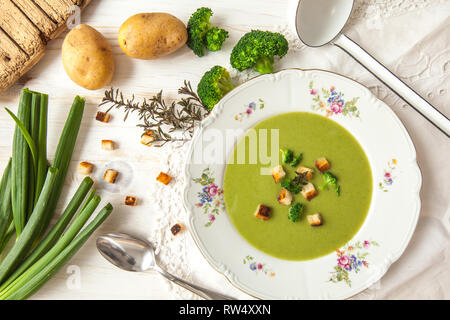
(87,57)
(151,35)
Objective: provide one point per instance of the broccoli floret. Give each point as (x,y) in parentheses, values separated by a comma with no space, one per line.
(295,212)
(291,185)
(215,38)
(201,35)
(286,155)
(296,160)
(257,49)
(330,180)
(214,84)
(197,27)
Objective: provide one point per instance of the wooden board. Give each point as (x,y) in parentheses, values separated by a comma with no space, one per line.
(26,26)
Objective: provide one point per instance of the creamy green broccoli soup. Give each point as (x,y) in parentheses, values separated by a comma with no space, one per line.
(245,188)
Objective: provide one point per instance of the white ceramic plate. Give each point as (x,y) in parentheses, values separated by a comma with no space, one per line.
(394,209)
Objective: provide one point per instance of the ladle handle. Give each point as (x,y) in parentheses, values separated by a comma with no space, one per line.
(393,82)
(202,292)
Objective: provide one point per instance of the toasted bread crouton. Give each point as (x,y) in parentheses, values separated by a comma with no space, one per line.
(107,145)
(309,191)
(278,173)
(285,197)
(176,228)
(308,172)
(85,168)
(322,164)
(262,212)
(130,201)
(164,178)
(147,138)
(102,116)
(110,176)
(315,219)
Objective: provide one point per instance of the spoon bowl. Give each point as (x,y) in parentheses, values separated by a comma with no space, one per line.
(133,254)
(127,252)
(318,22)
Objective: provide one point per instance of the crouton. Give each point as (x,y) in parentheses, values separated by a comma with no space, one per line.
(308,172)
(85,168)
(102,116)
(110,175)
(285,197)
(130,201)
(262,212)
(164,178)
(309,191)
(107,145)
(278,173)
(147,138)
(177,228)
(322,164)
(315,219)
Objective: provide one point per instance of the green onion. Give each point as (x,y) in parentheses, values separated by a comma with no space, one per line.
(55,233)
(63,156)
(20,164)
(42,146)
(30,188)
(32,145)
(31,281)
(91,195)
(35,117)
(68,236)
(5,239)
(31,230)
(5,201)
(34,132)
(25,133)
(6,224)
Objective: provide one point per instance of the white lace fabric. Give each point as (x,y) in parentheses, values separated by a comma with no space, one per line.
(422,272)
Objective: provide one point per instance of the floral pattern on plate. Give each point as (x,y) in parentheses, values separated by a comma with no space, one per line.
(388,177)
(257,266)
(351,259)
(332,102)
(211,196)
(249,110)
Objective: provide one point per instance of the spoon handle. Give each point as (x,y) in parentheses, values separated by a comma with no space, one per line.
(202,292)
(392,81)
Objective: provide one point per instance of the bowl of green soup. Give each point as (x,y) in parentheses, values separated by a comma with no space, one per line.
(302,185)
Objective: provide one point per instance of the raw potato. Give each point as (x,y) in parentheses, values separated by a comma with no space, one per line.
(149,36)
(87,57)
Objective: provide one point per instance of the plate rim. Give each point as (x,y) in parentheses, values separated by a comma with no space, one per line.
(217,110)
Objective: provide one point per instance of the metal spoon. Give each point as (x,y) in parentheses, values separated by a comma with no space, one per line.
(132,254)
(319,22)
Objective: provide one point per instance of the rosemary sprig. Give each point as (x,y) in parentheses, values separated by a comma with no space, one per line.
(173,122)
(296,184)
(300,178)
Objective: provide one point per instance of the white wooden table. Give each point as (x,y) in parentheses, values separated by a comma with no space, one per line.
(88,275)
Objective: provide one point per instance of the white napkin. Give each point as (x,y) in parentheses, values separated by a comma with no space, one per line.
(416,47)
(422,271)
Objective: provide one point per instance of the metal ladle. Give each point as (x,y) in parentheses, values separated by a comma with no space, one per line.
(133,254)
(320,22)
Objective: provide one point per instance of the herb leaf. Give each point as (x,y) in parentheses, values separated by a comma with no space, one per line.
(330,181)
(286,156)
(295,211)
(296,160)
